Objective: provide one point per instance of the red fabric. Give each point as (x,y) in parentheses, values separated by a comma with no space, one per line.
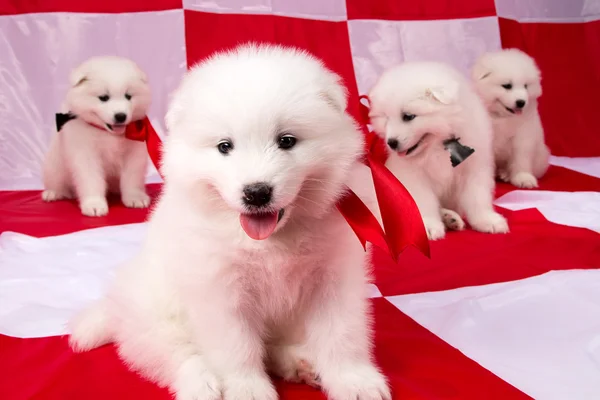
(25,212)
(419,365)
(569,57)
(325,39)
(143,131)
(104,6)
(534,246)
(419,9)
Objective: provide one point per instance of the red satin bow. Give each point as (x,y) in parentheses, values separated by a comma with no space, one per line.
(399,213)
(142,131)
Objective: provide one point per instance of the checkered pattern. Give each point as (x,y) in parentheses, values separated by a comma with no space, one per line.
(42,40)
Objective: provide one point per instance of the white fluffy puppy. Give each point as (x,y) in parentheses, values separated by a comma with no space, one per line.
(414,107)
(247,261)
(509,83)
(90,156)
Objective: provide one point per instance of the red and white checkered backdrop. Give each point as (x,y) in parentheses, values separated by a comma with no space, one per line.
(488,317)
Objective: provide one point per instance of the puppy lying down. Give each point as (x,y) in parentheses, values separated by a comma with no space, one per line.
(248,267)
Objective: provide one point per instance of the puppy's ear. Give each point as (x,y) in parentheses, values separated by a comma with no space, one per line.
(142,75)
(480,71)
(443,94)
(334,93)
(78,78)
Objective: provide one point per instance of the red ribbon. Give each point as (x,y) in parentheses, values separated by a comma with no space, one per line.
(142,131)
(399,213)
(401,218)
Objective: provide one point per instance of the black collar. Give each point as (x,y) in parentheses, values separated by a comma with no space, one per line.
(458,151)
(62,119)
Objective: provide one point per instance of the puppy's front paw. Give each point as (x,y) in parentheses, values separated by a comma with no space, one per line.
(356,382)
(288,363)
(195,382)
(524,180)
(489,222)
(250,387)
(53,195)
(95,206)
(136,199)
(503,175)
(50,195)
(435,228)
(452,220)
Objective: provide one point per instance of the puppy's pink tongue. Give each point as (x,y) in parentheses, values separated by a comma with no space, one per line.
(259,226)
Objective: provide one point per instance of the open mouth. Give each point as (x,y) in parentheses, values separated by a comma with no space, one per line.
(415,146)
(116,128)
(516,111)
(260,225)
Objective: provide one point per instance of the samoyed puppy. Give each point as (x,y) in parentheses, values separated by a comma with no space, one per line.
(509,82)
(248,266)
(415,106)
(90,155)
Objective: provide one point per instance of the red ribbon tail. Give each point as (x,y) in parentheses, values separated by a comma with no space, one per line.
(400,215)
(362,221)
(143,130)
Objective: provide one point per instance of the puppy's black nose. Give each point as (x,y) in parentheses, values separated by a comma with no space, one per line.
(257,194)
(520,103)
(120,117)
(393,143)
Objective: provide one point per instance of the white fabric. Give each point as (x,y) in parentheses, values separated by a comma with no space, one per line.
(541,334)
(585,165)
(580,209)
(555,11)
(377,44)
(330,10)
(44,281)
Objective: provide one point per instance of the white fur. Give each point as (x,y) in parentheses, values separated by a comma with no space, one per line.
(88,161)
(203,307)
(520,152)
(445,106)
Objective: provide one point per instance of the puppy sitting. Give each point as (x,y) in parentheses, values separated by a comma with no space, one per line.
(247,261)
(415,107)
(509,83)
(90,155)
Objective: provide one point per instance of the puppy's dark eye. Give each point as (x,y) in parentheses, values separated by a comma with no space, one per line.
(406,117)
(286,141)
(225,146)
(127,96)
(507,86)
(525,86)
(104,97)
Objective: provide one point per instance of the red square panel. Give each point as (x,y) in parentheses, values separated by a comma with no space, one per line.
(569,58)
(105,6)
(206,33)
(419,9)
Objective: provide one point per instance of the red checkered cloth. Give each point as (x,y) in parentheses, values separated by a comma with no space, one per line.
(488,317)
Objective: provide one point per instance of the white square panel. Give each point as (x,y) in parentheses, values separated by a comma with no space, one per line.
(377,45)
(332,10)
(549,10)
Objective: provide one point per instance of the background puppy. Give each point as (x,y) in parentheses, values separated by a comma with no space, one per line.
(247,260)
(90,155)
(414,107)
(509,83)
